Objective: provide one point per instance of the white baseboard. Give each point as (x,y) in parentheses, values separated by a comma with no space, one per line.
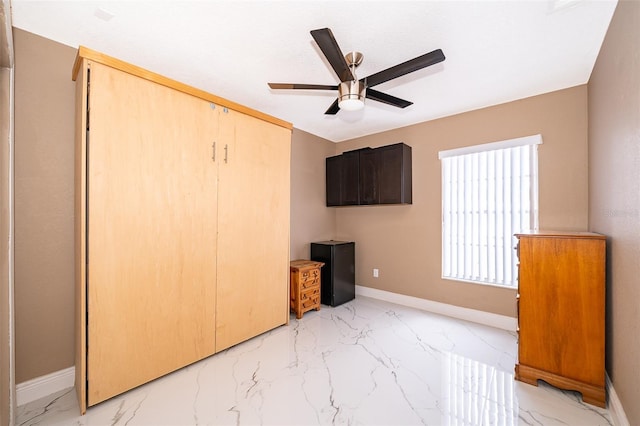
(618,415)
(494,320)
(44,385)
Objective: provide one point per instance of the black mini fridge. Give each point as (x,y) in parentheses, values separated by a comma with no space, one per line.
(338,275)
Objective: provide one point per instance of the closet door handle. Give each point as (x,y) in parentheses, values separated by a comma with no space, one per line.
(226,152)
(213,155)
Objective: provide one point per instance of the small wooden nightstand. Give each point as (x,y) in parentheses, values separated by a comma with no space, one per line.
(305,286)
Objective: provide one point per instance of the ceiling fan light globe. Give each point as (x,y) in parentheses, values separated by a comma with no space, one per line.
(351,104)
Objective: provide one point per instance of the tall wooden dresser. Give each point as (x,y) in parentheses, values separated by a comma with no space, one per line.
(561,312)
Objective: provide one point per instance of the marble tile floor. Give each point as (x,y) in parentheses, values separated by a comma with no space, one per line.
(367,362)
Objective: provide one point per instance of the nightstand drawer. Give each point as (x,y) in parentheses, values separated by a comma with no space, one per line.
(313,283)
(310,293)
(311,303)
(310,275)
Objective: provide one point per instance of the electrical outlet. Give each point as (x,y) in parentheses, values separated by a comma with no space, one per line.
(375,273)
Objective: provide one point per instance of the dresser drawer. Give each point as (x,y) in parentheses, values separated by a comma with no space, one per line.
(315,283)
(310,303)
(309,275)
(310,293)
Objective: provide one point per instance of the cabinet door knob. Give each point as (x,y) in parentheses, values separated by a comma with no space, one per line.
(226,153)
(213,155)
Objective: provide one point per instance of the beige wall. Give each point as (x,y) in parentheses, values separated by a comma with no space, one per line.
(404,242)
(44,267)
(6,289)
(311,220)
(614,195)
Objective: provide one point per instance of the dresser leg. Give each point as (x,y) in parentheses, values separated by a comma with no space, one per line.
(591,394)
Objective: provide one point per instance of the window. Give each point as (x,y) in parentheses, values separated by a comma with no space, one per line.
(489,193)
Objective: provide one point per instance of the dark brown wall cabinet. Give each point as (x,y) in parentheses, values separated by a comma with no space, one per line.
(342,179)
(370,176)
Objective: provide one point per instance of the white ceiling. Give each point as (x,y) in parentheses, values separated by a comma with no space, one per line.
(496,51)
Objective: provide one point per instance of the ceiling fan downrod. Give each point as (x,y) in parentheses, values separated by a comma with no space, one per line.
(351,94)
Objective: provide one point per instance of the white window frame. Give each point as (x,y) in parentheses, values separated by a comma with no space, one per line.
(467,256)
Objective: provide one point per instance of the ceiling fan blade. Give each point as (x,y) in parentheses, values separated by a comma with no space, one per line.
(329,46)
(333,109)
(301,86)
(387,99)
(399,70)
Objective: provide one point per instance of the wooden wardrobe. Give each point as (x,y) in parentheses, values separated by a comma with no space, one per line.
(182,225)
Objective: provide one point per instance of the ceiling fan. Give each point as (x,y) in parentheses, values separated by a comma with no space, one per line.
(351,91)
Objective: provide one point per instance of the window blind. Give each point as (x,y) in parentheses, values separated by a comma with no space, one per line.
(489,193)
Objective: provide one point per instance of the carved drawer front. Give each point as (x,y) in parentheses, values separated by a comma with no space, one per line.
(310,284)
(309,275)
(309,294)
(310,303)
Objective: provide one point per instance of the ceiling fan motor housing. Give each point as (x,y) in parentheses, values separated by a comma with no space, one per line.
(351,95)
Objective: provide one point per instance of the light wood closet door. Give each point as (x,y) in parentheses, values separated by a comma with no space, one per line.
(253,229)
(151,231)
